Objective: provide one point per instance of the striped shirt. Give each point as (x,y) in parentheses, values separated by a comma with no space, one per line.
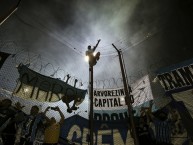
(163,131)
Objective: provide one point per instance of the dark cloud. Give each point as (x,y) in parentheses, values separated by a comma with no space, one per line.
(147,31)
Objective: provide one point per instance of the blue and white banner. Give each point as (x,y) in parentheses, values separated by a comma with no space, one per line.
(177,77)
(109,99)
(109,104)
(141,91)
(76,130)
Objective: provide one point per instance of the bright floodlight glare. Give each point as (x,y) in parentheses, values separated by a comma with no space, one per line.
(26,90)
(94,53)
(86,58)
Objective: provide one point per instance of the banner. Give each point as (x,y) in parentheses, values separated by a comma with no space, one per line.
(76,130)
(177,80)
(109,104)
(3,57)
(109,99)
(185,118)
(177,77)
(35,86)
(141,91)
(185,106)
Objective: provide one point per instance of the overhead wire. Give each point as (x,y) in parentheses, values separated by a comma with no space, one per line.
(108,52)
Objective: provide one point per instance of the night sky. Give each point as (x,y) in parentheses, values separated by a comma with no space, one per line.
(151,34)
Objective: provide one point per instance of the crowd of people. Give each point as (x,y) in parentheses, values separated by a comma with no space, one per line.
(157,129)
(18,128)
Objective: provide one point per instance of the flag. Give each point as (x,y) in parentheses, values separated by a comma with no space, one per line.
(3,57)
(35,86)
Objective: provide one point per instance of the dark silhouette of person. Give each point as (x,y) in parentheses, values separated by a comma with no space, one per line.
(90,53)
(9,116)
(52,130)
(30,126)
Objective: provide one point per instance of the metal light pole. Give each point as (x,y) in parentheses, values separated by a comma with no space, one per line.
(128,98)
(91,103)
(92,61)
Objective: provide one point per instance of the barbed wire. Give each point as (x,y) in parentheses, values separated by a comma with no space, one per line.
(35,62)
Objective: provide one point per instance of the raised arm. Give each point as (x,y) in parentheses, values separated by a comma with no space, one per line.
(44,113)
(151,116)
(150,106)
(46,110)
(18,106)
(61,115)
(96,45)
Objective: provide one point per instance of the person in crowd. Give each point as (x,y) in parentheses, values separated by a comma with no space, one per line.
(9,117)
(90,53)
(52,130)
(175,119)
(20,116)
(143,132)
(146,113)
(30,126)
(7,129)
(162,127)
(143,129)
